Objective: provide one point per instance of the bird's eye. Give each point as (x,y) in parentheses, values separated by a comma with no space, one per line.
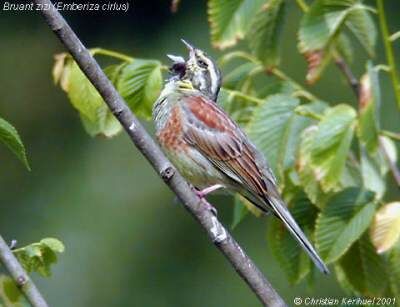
(202,64)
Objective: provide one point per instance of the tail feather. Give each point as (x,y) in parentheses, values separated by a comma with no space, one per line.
(283,214)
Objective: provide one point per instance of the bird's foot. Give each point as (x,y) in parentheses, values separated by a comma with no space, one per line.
(209,207)
(201,194)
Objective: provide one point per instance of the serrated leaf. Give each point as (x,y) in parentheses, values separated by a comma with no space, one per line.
(351,176)
(235,78)
(317,61)
(361,24)
(344,282)
(344,47)
(264,32)
(140,84)
(365,269)
(82,94)
(331,145)
(385,229)
(303,165)
(390,149)
(373,178)
(9,136)
(276,87)
(54,244)
(229,20)
(369,103)
(326,19)
(291,257)
(274,128)
(239,110)
(342,221)
(322,32)
(95,115)
(38,257)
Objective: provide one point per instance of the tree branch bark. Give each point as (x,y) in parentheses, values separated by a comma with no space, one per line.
(218,234)
(24,283)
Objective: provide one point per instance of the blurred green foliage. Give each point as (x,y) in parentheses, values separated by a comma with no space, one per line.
(99,198)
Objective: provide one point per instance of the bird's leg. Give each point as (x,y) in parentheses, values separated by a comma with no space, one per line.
(202,193)
(208,190)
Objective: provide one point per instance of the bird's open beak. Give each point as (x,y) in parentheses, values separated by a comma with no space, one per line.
(189,47)
(176,58)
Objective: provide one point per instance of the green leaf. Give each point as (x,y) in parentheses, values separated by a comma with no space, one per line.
(239,212)
(373,178)
(274,129)
(229,20)
(351,176)
(342,221)
(10,295)
(291,257)
(239,75)
(264,32)
(239,109)
(344,282)
(307,177)
(10,137)
(322,28)
(140,83)
(94,113)
(82,94)
(365,270)
(369,102)
(276,87)
(331,145)
(344,47)
(385,230)
(38,257)
(325,20)
(359,22)
(317,61)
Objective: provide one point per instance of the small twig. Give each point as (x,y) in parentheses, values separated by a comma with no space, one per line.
(249,98)
(112,54)
(351,79)
(24,283)
(393,135)
(139,136)
(389,50)
(303,6)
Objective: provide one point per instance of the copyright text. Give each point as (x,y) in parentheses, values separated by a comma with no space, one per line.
(344,301)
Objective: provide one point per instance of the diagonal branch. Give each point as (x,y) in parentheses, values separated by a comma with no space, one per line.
(24,283)
(345,69)
(218,234)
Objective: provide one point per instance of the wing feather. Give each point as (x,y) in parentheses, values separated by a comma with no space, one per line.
(214,134)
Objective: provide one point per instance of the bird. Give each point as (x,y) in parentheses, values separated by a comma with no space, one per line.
(209,149)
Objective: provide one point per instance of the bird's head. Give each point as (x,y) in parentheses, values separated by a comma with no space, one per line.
(200,70)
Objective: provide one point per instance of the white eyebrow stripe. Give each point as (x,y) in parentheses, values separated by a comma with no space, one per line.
(213,76)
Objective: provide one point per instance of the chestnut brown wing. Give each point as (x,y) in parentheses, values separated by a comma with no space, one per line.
(209,129)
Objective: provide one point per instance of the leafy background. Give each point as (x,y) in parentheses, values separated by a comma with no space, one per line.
(122,231)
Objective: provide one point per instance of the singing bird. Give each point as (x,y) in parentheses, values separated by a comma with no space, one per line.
(209,149)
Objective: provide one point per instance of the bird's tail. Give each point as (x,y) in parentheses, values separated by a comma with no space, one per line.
(283,214)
